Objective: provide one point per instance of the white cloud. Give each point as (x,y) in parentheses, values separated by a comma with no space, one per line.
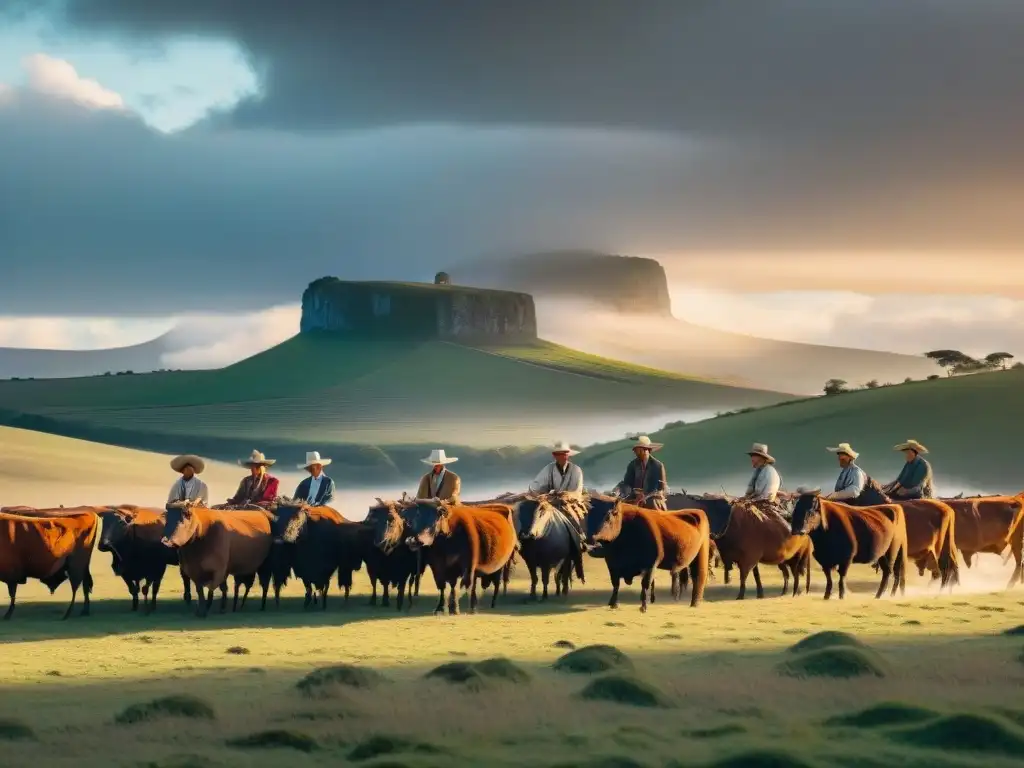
(910,324)
(78,332)
(205,341)
(57,78)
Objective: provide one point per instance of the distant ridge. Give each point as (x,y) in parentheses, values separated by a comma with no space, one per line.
(71,363)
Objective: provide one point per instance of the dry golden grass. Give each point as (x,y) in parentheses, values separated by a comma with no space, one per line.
(716,668)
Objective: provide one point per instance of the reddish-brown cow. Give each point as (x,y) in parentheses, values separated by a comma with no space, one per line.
(465,544)
(213,544)
(988,525)
(50,549)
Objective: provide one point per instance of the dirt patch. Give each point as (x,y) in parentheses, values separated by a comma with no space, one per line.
(237,650)
(628,690)
(276,739)
(980,734)
(834,662)
(167,706)
(884,715)
(593,659)
(324,682)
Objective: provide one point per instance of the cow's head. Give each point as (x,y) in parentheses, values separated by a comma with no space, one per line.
(288,521)
(181,525)
(115,530)
(530,517)
(387,524)
(604,519)
(426,520)
(806,511)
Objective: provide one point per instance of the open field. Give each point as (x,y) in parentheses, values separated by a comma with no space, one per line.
(335,392)
(714,674)
(968,423)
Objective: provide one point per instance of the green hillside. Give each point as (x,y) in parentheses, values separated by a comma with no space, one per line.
(970,424)
(330,390)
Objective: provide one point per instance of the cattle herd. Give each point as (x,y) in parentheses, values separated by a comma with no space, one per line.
(474,545)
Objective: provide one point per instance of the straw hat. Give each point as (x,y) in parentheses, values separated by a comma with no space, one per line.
(313,457)
(760,449)
(437,456)
(178,463)
(257,459)
(563,447)
(643,441)
(911,445)
(844,448)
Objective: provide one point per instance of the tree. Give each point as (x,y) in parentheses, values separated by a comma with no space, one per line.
(951,360)
(835,386)
(873,384)
(998,360)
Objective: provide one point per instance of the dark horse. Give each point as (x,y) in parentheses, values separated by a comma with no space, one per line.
(548,542)
(843,535)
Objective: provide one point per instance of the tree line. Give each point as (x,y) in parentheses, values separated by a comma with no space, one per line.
(953,361)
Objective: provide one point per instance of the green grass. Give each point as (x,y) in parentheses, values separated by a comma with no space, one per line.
(968,423)
(333,390)
(711,696)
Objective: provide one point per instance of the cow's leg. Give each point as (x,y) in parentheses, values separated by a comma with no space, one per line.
(453,600)
(645,586)
(785,578)
(86,593)
(75,582)
(323,595)
(224,595)
(373,593)
(726,572)
(209,600)
(186,585)
(843,569)
(757,582)
(1016,548)
(828,582)
(401,593)
(309,594)
(145,595)
(441,585)
(386,598)
(245,595)
(494,596)
(12,590)
(651,588)
(156,589)
(744,572)
(885,565)
(472,593)
(534,578)
(545,575)
(614,601)
(133,590)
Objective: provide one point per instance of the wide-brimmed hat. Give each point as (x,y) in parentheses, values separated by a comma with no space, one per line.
(643,441)
(911,445)
(437,456)
(844,448)
(178,463)
(760,449)
(563,447)
(314,457)
(257,459)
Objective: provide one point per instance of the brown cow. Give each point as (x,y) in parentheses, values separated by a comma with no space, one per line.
(50,549)
(213,544)
(843,535)
(634,541)
(988,525)
(465,543)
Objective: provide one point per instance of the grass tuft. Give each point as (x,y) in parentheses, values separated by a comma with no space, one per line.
(167,706)
(622,689)
(980,734)
(827,639)
(883,715)
(276,739)
(237,650)
(566,644)
(380,744)
(474,676)
(593,659)
(834,662)
(324,682)
(15,730)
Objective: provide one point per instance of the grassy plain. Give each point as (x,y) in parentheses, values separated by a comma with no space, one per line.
(716,675)
(968,423)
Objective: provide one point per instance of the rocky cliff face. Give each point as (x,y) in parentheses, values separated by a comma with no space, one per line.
(626,284)
(417,310)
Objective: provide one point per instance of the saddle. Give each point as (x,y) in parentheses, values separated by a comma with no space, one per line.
(764,510)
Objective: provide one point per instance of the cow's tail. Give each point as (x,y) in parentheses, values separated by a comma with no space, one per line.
(949,566)
(903,555)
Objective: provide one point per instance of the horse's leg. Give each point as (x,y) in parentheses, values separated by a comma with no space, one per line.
(757,582)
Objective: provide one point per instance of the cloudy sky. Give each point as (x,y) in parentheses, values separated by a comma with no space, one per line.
(832,167)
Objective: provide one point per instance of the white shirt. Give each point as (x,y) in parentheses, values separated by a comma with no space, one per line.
(550,479)
(436,480)
(189,490)
(765,483)
(314,487)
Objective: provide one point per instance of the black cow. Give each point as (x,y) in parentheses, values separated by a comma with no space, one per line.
(389,560)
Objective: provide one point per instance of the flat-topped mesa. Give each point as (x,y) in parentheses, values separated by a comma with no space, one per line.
(626,284)
(417,310)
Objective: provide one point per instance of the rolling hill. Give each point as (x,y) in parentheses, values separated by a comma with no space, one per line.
(968,423)
(373,405)
(619,307)
(66,363)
